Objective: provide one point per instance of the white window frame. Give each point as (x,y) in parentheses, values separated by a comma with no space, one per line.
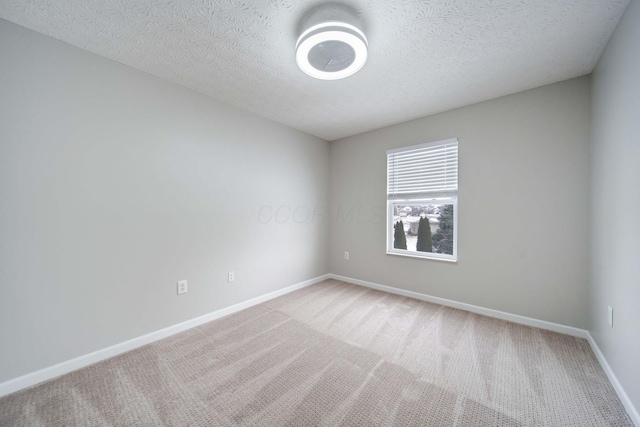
(442,196)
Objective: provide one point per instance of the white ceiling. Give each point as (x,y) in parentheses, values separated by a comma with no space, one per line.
(424,56)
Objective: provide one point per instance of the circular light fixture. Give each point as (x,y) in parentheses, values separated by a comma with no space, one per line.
(331,50)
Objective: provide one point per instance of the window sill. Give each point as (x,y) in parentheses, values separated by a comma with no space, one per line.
(450,261)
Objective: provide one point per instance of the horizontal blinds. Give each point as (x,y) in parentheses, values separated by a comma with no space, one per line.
(426,170)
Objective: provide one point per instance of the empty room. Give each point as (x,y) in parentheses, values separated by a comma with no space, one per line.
(309,213)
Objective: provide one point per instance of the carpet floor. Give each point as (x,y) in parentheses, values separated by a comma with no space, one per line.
(336,354)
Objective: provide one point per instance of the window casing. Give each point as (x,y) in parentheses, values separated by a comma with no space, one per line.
(422,182)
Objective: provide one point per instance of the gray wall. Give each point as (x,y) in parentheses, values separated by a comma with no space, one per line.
(615,212)
(115,184)
(523,205)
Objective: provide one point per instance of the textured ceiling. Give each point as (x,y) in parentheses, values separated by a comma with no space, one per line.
(424,56)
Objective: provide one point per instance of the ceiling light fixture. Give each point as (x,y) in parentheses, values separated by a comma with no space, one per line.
(332,49)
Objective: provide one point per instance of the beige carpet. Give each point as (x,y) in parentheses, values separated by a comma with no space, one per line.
(336,354)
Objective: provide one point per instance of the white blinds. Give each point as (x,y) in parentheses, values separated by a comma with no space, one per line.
(423,171)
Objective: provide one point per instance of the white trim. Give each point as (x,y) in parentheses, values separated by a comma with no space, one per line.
(529,321)
(626,402)
(62,368)
(409,254)
(536,323)
(391,204)
(51,372)
(422,145)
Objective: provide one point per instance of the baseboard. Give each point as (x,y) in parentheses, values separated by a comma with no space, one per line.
(51,372)
(46,374)
(624,398)
(563,329)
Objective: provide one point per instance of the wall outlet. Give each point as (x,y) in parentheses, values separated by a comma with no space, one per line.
(610,317)
(346,255)
(182,287)
(232,276)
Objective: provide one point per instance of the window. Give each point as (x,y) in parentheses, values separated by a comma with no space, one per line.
(422,200)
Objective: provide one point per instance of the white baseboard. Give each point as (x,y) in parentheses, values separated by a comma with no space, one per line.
(34,378)
(51,372)
(563,329)
(624,398)
(515,318)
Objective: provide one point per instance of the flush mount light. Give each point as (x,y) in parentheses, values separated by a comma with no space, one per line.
(331,50)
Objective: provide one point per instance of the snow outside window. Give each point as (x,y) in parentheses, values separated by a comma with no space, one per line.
(422,200)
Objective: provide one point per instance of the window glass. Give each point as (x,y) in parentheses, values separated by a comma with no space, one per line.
(422,189)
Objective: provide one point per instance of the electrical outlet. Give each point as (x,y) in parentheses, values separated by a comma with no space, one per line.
(232,276)
(346,255)
(182,287)
(610,317)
